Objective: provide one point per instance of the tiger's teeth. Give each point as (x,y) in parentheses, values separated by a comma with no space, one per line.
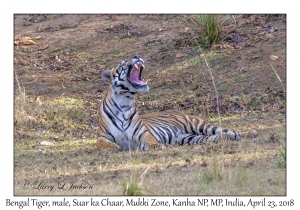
(146,82)
(136,66)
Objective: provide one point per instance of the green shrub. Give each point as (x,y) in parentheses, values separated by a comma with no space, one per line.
(210,29)
(131,188)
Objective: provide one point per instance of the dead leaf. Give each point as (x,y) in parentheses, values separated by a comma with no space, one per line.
(269,36)
(27,40)
(216,47)
(264,24)
(114,18)
(250,134)
(273,57)
(252,18)
(27,23)
(236,38)
(100,67)
(24,40)
(42,47)
(227,46)
(242,22)
(168,81)
(181,54)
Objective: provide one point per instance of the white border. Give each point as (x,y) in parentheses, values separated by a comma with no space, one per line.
(154,6)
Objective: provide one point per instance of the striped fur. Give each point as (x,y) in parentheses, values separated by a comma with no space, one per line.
(120,125)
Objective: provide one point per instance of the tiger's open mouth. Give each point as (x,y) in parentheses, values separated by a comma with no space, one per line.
(135,75)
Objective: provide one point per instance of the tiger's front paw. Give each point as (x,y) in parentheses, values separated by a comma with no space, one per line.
(103,144)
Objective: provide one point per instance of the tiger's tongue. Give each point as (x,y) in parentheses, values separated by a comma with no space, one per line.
(134,77)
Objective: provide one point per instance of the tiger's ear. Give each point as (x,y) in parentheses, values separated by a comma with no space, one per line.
(106,75)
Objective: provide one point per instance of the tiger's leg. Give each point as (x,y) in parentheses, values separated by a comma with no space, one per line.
(197,125)
(212,131)
(196,139)
(151,143)
(104,144)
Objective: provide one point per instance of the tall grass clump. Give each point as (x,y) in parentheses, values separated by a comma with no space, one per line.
(131,188)
(210,29)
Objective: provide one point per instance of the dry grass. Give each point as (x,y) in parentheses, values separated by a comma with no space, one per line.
(250,167)
(49,118)
(175,171)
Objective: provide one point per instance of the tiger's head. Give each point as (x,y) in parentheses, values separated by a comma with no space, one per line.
(127,76)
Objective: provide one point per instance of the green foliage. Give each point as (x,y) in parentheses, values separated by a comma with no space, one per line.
(207,178)
(131,188)
(210,29)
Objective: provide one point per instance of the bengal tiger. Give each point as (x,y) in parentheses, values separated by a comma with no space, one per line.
(120,125)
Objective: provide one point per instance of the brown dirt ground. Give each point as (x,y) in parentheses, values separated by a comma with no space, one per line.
(80,46)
